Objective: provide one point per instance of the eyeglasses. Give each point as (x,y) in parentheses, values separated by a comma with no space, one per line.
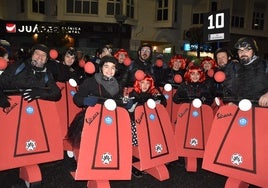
(246,50)
(145,50)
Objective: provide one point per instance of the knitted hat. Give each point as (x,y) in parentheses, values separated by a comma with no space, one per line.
(41,47)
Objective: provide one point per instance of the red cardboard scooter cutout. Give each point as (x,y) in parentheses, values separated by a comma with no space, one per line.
(171,107)
(236,147)
(29,136)
(66,107)
(156,144)
(105,149)
(192,131)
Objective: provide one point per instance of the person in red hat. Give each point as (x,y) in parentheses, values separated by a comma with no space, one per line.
(177,65)
(143,90)
(193,87)
(30,78)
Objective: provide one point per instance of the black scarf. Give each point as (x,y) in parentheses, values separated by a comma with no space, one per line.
(110,84)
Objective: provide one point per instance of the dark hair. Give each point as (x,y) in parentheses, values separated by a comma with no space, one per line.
(108,48)
(145,45)
(71,51)
(224,49)
(107,58)
(41,47)
(3,51)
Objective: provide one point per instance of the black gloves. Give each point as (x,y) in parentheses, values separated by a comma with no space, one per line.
(4,101)
(142,97)
(90,101)
(31,94)
(128,102)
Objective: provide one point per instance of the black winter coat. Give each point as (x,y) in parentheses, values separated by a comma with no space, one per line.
(186,92)
(23,75)
(90,87)
(252,80)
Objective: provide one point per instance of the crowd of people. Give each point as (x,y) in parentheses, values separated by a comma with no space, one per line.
(36,77)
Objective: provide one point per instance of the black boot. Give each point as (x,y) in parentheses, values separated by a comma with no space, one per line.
(136,173)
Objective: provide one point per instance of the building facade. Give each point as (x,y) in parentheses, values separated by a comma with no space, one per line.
(88,24)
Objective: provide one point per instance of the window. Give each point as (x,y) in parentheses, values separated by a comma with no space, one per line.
(82,6)
(113,7)
(258,16)
(198,18)
(38,6)
(237,21)
(258,21)
(130,8)
(238,14)
(162,10)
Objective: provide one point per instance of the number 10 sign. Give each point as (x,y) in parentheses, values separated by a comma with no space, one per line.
(216,26)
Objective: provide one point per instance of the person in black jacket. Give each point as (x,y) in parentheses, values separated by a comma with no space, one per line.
(193,87)
(252,75)
(30,78)
(142,91)
(93,90)
(143,62)
(230,67)
(102,85)
(67,68)
(177,66)
(121,68)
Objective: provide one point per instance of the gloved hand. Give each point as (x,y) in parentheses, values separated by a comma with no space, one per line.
(125,100)
(133,107)
(129,103)
(90,101)
(157,97)
(31,94)
(142,97)
(4,101)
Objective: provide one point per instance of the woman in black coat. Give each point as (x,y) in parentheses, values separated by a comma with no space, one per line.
(93,90)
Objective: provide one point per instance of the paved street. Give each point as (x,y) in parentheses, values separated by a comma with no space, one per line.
(56,175)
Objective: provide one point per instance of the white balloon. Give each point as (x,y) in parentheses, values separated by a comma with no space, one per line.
(70,154)
(110,104)
(245,105)
(197,103)
(151,103)
(72,82)
(217,101)
(167,87)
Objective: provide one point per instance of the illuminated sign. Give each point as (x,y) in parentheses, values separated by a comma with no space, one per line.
(216,26)
(41,28)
